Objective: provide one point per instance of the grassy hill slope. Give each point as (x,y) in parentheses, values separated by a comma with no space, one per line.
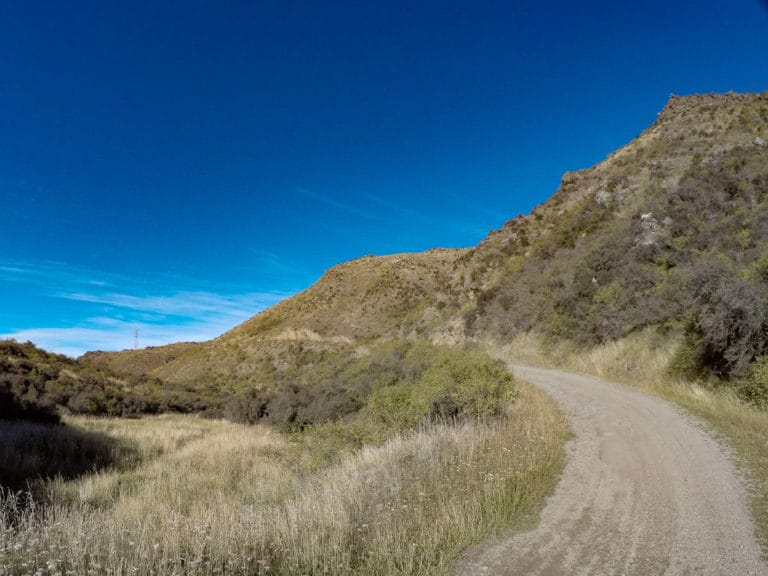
(352,305)
(137,362)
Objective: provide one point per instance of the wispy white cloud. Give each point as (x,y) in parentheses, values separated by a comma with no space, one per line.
(384,211)
(182,317)
(273,263)
(343,206)
(118,335)
(186,304)
(107,319)
(45,273)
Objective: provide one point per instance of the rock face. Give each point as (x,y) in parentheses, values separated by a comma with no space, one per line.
(649,230)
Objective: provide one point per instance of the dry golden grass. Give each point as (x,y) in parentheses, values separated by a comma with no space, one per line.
(212,497)
(642,360)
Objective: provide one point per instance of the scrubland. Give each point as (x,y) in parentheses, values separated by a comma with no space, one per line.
(187,495)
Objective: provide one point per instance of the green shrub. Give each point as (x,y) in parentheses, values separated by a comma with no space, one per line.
(396,386)
(754,387)
(456,385)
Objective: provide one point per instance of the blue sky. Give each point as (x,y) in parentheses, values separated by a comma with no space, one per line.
(175,167)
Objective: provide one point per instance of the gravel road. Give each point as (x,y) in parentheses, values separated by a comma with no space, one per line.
(645,491)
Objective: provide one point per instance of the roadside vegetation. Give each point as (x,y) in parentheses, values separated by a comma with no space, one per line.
(293,386)
(651,269)
(445,450)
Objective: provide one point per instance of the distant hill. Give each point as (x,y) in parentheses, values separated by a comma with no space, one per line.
(138,362)
(349,308)
(37,385)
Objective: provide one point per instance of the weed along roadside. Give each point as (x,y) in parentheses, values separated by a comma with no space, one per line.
(202,496)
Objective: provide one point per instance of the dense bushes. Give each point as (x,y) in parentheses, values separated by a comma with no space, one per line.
(729,326)
(754,386)
(34,383)
(454,385)
(15,408)
(394,386)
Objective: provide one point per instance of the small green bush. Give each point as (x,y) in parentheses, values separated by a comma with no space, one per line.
(754,387)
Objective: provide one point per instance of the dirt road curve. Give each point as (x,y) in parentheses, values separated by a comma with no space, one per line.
(645,491)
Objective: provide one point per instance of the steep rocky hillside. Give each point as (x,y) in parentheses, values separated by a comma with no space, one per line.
(670,230)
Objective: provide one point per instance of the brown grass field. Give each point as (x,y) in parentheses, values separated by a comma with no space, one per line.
(212,497)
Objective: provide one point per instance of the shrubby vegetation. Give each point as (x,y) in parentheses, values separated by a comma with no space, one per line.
(35,385)
(333,401)
(401,456)
(212,497)
(396,385)
(690,257)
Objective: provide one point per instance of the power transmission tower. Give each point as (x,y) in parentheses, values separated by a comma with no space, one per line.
(136,339)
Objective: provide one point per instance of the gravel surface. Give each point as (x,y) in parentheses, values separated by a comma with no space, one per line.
(645,491)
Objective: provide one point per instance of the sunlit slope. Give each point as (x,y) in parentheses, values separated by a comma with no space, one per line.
(360,299)
(141,361)
(351,305)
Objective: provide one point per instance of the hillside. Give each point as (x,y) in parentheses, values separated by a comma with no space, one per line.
(351,306)
(670,231)
(38,385)
(137,362)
